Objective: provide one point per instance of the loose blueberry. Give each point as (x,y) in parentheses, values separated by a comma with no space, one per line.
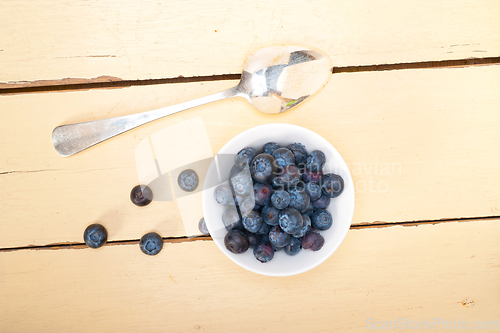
(283,157)
(314,190)
(253,239)
(270,215)
(262,168)
(278,237)
(332,185)
(262,193)
(141,195)
(315,161)
(253,221)
(322,203)
(309,176)
(236,241)
(202,226)
(224,195)
(245,157)
(280,199)
(270,147)
(293,247)
(231,219)
(299,151)
(263,252)
(241,182)
(151,243)
(290,220)
(188,180)
(290,175)
(95,235)
(312,241)
(306,227)
(299,199)
(321,219)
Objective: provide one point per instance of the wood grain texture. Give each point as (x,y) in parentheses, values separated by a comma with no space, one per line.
(110,40)
(420,144)
(448,271)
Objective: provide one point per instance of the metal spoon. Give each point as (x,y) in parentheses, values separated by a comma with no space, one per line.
(274,79)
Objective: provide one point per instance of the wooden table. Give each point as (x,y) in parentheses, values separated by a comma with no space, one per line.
(413,107)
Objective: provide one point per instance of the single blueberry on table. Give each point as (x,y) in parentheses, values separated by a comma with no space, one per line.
(309,176)
(236,241)
(322,203)
(332,185)
(245,157)
(312,241)
(314,190)
(263,252)
(241,181)
(270,215)
(270,147)
(224,195)
(141,195)
(263,168)
(299,151)
(283,157)
(299,199)
(188,180)
(231,219)
(262,193)
(280,199)
(95,236)
(202,226)
(306,227)
(290,175)
(315,161)
(290,220)
(293,247)
(151,243)
(321,219)
(253,221)
(278,238)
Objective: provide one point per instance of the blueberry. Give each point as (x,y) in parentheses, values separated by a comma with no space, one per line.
(270,147)
(253,239)
(293,247)
(280,199)
(236,241)
(245,157)
(277,182)
(314,190)
(224,195)
(332,185)
(310,209)
(95,235)
(264,230)
(299,199)
(290,175)
(270,215)
(312,241)
(309,176)
(253,221)
(262,168)
(202,226)
(283,157)
(306,227)
(278,237)
(241,182)
(141,195)
(188,180)
(315,161)
(321,219)
(322,203)
(299,151)
(263,252)
(151,243)
(290,220)
(262,193)
(231,219)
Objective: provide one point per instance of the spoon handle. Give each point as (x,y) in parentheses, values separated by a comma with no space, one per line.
(73,138)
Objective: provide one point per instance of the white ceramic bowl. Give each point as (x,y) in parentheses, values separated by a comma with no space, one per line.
(341,208)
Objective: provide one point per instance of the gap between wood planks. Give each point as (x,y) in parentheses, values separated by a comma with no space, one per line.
(182,239)
(103,82)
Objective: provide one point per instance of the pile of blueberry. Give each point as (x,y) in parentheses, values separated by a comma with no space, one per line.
(277,200)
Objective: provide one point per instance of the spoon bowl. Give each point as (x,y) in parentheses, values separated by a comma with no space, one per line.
(274,80)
